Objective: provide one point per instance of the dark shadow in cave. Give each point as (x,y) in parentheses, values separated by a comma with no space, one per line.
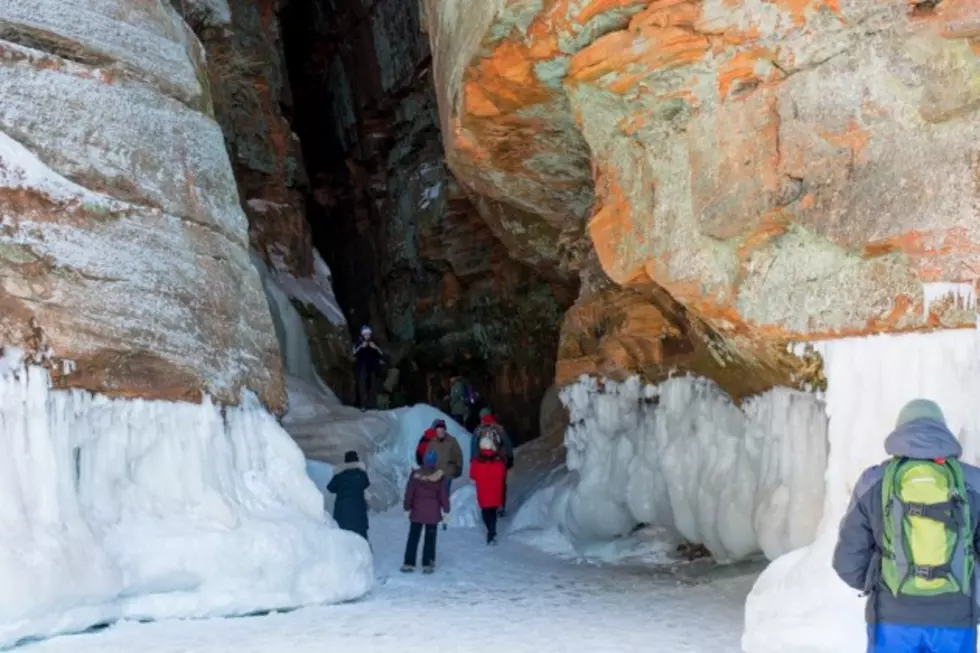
(409,254)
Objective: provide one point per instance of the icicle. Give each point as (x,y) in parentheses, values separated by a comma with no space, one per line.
(963,294)
(739,481)
(149,509)
(798,603)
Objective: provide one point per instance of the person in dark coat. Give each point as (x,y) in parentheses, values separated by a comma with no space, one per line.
(426,500)
(349,483)
(369,361)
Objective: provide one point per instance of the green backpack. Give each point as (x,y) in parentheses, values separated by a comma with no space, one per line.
(928,542)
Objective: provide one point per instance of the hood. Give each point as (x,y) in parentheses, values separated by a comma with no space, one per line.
(343,467)
(429,474)
(429,434)
(923,438)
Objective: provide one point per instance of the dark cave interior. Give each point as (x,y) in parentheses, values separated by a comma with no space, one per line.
(409,253)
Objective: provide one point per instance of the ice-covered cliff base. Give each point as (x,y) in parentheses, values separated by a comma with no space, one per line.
(115,509)
(683,456)
(799,604)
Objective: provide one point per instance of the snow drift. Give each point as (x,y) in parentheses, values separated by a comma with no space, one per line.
(115,509)
(683,456)
(799,604)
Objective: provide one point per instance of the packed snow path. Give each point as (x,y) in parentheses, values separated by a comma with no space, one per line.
(504,598)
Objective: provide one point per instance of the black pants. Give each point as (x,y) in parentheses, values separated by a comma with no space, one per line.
(367,389)
(490,521)
(428,547)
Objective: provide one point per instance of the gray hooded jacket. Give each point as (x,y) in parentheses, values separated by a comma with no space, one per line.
(857,558)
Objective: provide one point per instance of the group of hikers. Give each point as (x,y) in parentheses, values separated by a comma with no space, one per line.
(439,460)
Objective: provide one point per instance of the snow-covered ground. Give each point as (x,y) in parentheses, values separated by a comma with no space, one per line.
(506,598)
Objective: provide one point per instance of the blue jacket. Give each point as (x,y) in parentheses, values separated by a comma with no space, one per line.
(350,509)
(857,557)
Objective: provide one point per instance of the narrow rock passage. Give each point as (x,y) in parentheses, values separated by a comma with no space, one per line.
(505,598)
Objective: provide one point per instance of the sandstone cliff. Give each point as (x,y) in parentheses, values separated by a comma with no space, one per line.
(123,247)
(728,175)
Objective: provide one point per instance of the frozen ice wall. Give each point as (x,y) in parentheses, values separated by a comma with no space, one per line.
(799,604)
(116,509)
(682,455)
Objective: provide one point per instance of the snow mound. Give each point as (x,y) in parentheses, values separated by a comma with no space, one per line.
(683,456)
(799,604)
(118,509)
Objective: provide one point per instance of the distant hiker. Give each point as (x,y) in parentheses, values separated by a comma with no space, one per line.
(909,539)
(349,482)
(426,503)
(488,469)
(368,363)
(490,427)
(462,399)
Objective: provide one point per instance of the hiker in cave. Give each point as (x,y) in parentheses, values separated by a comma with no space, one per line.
(909,538)
(490,428)
(369,362)
(426,504)
(349,482)
(437,439)
(462,399)
(488,469)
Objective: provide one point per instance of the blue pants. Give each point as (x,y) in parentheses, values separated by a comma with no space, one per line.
(893,638)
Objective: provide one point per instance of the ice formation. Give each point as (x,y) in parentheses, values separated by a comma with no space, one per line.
(315,290)
(799,604)
(116,509)
(964,295)
(683,456)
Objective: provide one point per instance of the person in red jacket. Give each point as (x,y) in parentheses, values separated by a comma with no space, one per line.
(489,471)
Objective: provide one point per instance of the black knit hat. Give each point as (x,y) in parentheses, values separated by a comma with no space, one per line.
(351,457)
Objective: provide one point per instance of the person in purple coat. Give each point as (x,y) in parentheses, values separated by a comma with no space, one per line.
(426,500)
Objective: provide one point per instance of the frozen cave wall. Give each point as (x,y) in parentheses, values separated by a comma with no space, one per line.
(123,246)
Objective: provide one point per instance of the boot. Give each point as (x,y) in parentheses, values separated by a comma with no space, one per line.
(428,569)
(407,569)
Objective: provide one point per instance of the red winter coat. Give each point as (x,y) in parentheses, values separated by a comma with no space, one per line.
(489,475)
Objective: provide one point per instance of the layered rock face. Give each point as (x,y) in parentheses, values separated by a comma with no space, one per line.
(410,251)
(726,176)
(253,104)
(123,247)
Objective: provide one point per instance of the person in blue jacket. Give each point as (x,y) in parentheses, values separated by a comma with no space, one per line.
(349,483)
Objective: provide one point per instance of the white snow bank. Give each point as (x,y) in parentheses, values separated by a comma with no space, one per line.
(316,290)
(681,455)
(799,604)
(115,509)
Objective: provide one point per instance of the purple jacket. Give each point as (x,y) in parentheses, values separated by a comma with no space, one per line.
(426,496)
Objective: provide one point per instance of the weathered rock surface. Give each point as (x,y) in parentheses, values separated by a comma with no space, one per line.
(123,247)
(410,252)
(747,173)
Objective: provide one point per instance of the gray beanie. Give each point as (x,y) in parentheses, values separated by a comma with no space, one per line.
(920,409)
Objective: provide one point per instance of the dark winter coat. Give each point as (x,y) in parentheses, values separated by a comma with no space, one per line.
(488,474)
(426,496)
(350,510)
(368,356)
(497,431)
(857,558)
(449,456)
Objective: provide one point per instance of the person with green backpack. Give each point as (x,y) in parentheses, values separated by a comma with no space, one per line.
(909,539)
